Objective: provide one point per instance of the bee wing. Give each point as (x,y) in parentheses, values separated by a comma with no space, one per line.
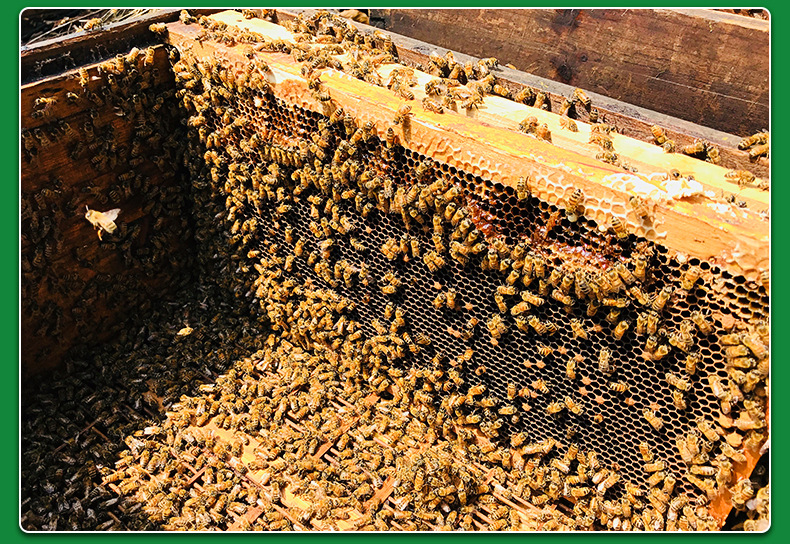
(112,214)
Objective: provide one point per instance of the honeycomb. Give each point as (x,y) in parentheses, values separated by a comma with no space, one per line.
(515,358)
(515,332)
(371,261)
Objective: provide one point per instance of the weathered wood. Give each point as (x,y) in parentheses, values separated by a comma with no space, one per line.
(52,57)
(708,67)
(736,239)
(648,158)
(77,289)
(630,120)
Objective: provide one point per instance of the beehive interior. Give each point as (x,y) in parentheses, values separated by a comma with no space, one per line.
(406,315)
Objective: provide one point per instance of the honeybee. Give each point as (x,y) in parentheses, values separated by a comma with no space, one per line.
(322,96)
(541,101)
(690,277)
(554,408)
(433,261)
(570,368)
(660,352)
(653,419)
(500,302)
(640,296)
(641,323)
(102,221)
(522,188)
(620,329)
(582,97)
(472,102)
(604,361)
(524,96)
(755,139)
(712,154)
(529,298)
(678,400)
(694,148)
(691,362)
(148,59)
(390,137)
(640,267)
(578,329)
(601,140)
(573,406)
(392,284)
(497,327)
(659,134)
(568,124)
(453,299)
(758,151)
(92,24)
(741,177)
(618,387)
(529,125)
(755,345)
(402,114)
(734,352)
(592,307)
(661,298)
(618,226)
(678,382)
(43,106)
(543,132)
(540,386)
(390,249)
(477,390)
(561,297)
(732,453)
(507,410)
(537,325)
(639,206)
(158,28)
(573,204)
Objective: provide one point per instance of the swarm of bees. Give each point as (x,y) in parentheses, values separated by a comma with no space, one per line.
(376,346)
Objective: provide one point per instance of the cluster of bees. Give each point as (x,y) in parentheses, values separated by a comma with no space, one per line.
(415,347)
(704,150)
(75,422)
(700,149)
(757,144)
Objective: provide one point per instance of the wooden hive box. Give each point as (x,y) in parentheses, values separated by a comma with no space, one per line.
(574,212)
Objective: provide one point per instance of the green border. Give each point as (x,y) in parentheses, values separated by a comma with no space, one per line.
(9,326)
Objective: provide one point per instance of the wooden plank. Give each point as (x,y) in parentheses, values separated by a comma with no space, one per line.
(708,67)
(497,111)
(70,278)
(701,226)
(630,120)
(54,56)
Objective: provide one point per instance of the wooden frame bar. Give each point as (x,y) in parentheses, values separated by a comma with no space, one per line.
(701,226)
(705,66)
(54,56)
(631,120)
